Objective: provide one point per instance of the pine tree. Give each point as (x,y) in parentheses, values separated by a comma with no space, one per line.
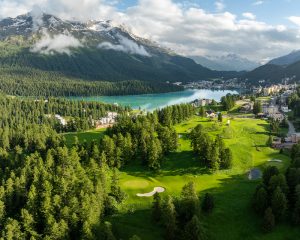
(213,157)
(208,203)
(257,108)
(260,200)
(189,203)
(269,172)
(116,191)
(156,208)
(269,220)
(194,230)
(169,218)
(201,112)
(220,117)
(296,209)
(279,203)
(108,234)
(154,154)
(226,162)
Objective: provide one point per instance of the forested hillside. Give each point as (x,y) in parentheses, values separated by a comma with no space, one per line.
(272,73)
(51,191)
(94,58)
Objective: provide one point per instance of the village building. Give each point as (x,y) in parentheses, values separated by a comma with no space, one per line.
(108,120)
(277,116)
(201,102)
(210,114)
(270,109)
(246,108)
(61,119)
(295,138)
(285,109)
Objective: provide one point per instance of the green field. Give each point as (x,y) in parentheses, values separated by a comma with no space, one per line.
(87,136)
(233,217)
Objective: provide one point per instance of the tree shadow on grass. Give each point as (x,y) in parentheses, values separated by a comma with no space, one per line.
(266,126)
(138,223)
(175,164)
(232,218)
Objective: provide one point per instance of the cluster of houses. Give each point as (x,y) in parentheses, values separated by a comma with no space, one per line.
(202,102)
(108,120)
(247,107)
(274,89)
(219,83)
(287,142)
(272,111)
(61,119)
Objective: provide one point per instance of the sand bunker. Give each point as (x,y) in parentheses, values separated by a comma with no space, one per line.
(275,160)
(150,194)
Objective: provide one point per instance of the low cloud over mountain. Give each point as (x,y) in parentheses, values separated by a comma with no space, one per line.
(125,45)
(186,28)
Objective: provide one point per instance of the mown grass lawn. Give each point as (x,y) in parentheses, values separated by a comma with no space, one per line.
(87,136)
(232,218)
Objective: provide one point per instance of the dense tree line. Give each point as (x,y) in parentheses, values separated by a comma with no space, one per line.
(257,107)
(56,192)
(50,191)
(26,122)
(277,198)
(145,137)
(212,153)
(228,101)
(294,103)
(19,81)
(181,217)
(175,114)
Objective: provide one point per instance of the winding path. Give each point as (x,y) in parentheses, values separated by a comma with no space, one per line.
(292,129)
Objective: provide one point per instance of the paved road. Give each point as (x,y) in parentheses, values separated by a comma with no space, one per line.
(292,129)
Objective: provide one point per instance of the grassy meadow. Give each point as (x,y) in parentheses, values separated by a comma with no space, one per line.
(87,136)
(232,217)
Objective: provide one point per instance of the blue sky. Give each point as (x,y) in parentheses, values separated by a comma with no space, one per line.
(269,11)
(255,29)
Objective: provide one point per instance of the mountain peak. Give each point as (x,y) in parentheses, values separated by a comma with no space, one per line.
(288,59)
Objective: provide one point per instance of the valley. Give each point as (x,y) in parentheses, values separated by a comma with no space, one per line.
(156,120)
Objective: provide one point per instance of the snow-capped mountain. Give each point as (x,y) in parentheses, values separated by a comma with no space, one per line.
(230,62)
(90,33)
(92,50)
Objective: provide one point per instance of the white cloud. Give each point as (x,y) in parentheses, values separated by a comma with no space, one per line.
(58,43)
(187,29)
(257,3)
(125,45)
(220,6)
(295,20)
(249,15)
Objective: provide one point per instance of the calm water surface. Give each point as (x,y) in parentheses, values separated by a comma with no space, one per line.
(153,101)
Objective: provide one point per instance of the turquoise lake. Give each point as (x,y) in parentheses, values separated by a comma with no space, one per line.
(153,101)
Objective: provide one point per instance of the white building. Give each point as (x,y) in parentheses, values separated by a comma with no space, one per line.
(270,109)
(285,109)
(61,120)
(202,102)
(109,119)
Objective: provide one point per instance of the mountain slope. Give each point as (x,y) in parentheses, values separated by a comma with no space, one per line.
(271,74)
(94,51)
(230,62)
(289,59)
